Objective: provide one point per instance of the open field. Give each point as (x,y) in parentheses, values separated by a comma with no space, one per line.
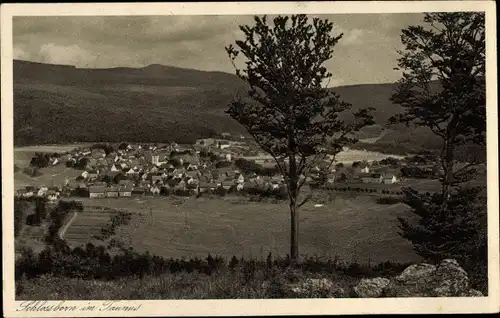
(87,224)
(51,176)
(346,228)
(23,155)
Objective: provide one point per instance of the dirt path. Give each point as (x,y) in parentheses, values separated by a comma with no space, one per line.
(67,225)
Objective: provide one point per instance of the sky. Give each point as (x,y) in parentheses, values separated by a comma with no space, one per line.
(367,52)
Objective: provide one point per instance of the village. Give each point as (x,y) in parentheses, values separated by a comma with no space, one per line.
(225,165)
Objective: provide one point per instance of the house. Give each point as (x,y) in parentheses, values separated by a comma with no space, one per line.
(156,177)
(115,167)
(223,144)
(28,192)
(203,187)
(240,179)
(239,187)
(138,191)
(371,177)
(112,174)
(155,190)
(125,183)
(390,179)
(125,191)
(181,185)
(219,181)
(330,178)
(206,186)
(97,192)
(274,185)
(132,172)
(91,162)
(191,180)
(52,195)
(42,191)
(112,192)
(93,174)
(227,184)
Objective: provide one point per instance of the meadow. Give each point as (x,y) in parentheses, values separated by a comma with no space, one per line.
(87,225)
(350,229)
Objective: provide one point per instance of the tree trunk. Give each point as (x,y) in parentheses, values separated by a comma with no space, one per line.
(447,163)
(294,219)
(294,233)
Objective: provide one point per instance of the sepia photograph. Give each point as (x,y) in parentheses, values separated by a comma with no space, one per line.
(293,153)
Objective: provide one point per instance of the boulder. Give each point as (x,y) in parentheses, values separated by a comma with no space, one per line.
(416,272)
(447,279)
(316,287)
(371,288)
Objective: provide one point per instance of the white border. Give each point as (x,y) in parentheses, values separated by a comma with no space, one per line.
(257,307)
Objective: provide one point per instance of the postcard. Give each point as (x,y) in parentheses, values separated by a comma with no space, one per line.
(249,158)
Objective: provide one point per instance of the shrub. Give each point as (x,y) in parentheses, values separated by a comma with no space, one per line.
(388,200)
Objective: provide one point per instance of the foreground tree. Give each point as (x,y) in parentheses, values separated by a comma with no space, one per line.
(288,111)
(443,88)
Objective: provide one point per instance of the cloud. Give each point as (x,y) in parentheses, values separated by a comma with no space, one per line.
(198,42)
(20,54)
(352,37)
(71,55)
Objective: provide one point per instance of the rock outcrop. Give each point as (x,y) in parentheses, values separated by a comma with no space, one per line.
(317,287)
(447,279)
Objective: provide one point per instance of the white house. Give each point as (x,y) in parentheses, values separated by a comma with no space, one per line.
(154,190)
(240,179)
(52,195)
(390,179)
(239,187)
(42,191)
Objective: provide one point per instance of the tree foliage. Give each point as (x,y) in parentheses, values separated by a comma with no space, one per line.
(288,111)
(443,84)
(443,88)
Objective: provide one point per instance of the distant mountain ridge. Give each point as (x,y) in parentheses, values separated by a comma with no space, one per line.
(156,103)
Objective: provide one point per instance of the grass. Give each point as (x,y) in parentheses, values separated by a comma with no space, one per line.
(51,176)
(182,285)
(350,229)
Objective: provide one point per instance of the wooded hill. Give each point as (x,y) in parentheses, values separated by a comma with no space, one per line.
(62,104)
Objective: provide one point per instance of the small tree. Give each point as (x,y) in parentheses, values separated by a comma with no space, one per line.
(289,112)
(20,207)
(40,210)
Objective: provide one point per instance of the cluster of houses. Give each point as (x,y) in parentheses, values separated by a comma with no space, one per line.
(205,166)
(137,170)
(50,193)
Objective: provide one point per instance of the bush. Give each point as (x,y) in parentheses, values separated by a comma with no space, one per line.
(108,230)
(388,200)
(32,172)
